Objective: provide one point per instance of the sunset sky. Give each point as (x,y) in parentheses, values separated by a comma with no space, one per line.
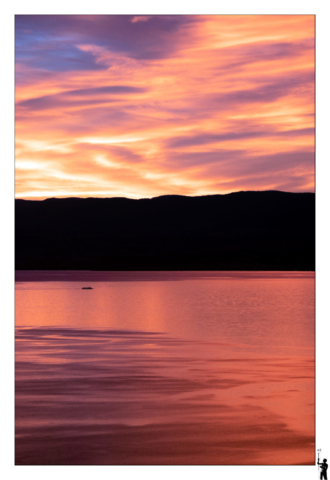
(141,106)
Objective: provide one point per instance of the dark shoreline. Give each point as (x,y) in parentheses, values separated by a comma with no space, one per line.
(243,231)
(124,276)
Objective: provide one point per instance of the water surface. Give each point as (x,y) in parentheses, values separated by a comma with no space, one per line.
(165,368)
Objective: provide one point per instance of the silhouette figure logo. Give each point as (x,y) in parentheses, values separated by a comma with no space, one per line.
(323,466)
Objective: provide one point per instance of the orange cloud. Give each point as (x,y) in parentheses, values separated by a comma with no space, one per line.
(145,106)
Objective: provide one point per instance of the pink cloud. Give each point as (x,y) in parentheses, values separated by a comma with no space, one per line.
(191,105)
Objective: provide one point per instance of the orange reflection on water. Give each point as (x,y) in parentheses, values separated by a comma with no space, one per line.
(135,398)
(98,381)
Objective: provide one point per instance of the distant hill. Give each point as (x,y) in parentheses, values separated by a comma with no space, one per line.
(267,230)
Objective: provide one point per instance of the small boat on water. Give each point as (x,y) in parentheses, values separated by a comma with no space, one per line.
(87,288)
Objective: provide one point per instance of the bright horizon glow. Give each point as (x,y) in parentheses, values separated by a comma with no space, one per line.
(143,106)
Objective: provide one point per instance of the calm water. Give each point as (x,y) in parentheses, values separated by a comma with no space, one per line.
(165,368)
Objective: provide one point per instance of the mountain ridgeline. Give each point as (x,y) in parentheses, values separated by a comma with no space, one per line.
(267,230)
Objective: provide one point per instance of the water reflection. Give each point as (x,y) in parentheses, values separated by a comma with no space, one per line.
(196,371)
(258,309)
(107,397)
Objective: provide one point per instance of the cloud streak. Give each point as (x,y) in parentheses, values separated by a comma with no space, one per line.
(147,105)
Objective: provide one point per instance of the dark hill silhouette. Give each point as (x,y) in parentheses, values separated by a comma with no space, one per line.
(268,230)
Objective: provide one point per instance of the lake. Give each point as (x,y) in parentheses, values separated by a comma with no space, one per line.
(164,368)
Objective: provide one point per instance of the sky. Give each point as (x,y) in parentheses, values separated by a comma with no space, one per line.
(142,106)
(322,176)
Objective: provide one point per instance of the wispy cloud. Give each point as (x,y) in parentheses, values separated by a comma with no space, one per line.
(149,105)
